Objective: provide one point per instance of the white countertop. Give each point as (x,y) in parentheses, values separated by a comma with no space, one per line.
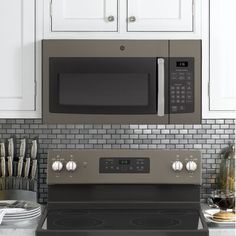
(20,229)
(218,229)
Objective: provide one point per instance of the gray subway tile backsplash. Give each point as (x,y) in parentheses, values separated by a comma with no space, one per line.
(209,137)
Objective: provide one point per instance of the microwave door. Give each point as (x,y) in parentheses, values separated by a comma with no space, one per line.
(80,81)
(103,86)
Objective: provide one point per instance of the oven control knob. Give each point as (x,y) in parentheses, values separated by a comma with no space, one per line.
(177,166)
(191,166)
(57,166)
(71,166)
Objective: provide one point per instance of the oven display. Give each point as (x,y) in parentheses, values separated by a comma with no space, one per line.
(124,162)
(124,165)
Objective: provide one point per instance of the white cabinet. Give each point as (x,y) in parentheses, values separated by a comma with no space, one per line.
(17,55)
(17,59)
(160,15)
(122,19)
(101,15)
(84,15)
(222,54)
(219,59)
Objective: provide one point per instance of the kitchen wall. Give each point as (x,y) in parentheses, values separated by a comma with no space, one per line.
(209,137)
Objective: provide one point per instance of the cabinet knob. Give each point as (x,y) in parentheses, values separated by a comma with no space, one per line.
(132,19)
(110,18)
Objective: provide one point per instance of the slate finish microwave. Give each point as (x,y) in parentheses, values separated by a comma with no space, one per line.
(122,81)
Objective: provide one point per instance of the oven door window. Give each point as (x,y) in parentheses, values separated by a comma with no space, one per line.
(102,85)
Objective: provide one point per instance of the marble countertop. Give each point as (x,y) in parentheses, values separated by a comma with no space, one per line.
(217,226)
(27,228)
(31,224)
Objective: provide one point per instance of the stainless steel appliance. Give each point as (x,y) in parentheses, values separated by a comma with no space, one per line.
(123,192)
(122,81)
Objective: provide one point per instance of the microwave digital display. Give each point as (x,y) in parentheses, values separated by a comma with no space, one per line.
(181,64)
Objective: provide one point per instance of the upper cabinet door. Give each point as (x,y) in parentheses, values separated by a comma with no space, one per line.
(222,55)
(160,15)
(84,15)
(17,58)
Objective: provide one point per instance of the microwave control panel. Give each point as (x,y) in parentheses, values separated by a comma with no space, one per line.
(181,85)
(124,165)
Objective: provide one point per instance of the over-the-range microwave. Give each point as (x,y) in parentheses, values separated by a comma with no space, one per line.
(122,81)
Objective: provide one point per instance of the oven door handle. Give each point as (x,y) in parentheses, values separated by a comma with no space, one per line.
(161,87)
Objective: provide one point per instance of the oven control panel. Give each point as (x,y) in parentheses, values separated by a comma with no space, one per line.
(124,165)
(120,166)
(181,85)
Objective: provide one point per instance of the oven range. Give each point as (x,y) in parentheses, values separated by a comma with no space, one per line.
(123,192)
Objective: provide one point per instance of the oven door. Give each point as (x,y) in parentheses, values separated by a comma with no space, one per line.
(103,85)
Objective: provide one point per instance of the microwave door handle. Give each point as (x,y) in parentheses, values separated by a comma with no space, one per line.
(161,87)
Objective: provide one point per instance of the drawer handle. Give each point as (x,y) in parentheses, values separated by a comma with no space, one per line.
(132,19)
(110,18)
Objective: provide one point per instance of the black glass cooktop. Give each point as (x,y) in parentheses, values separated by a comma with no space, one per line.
(124,219)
